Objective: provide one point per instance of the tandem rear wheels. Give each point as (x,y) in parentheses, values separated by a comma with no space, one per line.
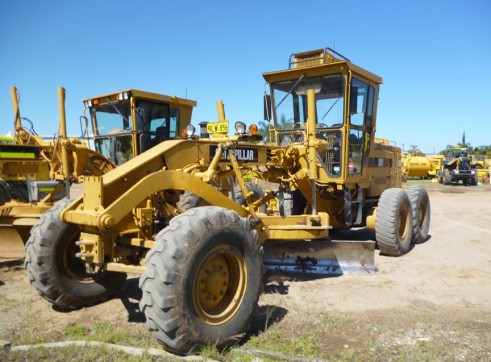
(403,218)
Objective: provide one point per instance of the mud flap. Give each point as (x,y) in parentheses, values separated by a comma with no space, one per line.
(320,257)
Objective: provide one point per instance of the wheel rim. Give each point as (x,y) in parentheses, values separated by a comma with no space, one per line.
(422,213)
(74,267)
(219,284)
(403,226)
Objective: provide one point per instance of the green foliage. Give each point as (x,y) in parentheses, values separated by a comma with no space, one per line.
(267,131)
(211,351)
(278,344)
(105,332)
(479,151)
(76,331)
(415,151)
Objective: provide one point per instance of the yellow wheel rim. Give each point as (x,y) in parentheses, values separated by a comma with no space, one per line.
(403,222)
(219,284)
(422,213)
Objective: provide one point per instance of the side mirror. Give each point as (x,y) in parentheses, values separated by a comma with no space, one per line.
(84,127)
(267,107)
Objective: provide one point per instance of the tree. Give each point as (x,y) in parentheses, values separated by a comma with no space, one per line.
(265,128)
(415,151)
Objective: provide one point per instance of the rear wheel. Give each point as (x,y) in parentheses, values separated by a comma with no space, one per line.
(202,279)
(393,223)
(54,270)
(420,204)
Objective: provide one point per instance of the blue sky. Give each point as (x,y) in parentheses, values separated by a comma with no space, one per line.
(434,57)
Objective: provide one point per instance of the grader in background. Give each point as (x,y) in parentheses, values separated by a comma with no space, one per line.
(182,216)
(35,173)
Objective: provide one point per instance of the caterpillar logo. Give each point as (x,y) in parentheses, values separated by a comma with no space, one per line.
(242,154)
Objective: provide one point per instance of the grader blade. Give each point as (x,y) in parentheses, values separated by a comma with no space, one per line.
(16,221)
(11,244)
(320,257)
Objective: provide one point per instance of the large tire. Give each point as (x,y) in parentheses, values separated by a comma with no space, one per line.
(475,179)
(420,204)
(202,279)
(4,192)
(439,176)
(257,194)
(447,178)
(18,191)
(294,203)
(54,270)
(188,200)
(393,223)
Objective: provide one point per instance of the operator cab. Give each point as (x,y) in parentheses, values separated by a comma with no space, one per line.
(344,104)
(131,122)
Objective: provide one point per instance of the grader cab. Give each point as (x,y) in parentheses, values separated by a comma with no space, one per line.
(186,216)
(130,122)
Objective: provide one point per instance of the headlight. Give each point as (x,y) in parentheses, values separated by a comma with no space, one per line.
(123,96)
(240,127)
(456,172)
(190,131)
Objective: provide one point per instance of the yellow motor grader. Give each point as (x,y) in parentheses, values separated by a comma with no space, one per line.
(183,217)
(35,173)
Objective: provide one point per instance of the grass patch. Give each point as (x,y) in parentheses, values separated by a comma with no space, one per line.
(76,353)
(105,332)
(279,344)
(211,351)
(76,332)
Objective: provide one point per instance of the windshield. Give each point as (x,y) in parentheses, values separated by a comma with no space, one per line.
(112,117)
(290,101)
(459,152)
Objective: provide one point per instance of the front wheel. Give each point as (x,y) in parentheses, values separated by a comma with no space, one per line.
(475,179)
(202,279)
(447,178)
(394,222)
(439,176)
(54,270)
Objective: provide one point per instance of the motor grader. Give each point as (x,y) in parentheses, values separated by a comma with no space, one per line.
(183,217)
(35,173)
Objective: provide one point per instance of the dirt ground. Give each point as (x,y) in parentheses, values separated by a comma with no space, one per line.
(437,296)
